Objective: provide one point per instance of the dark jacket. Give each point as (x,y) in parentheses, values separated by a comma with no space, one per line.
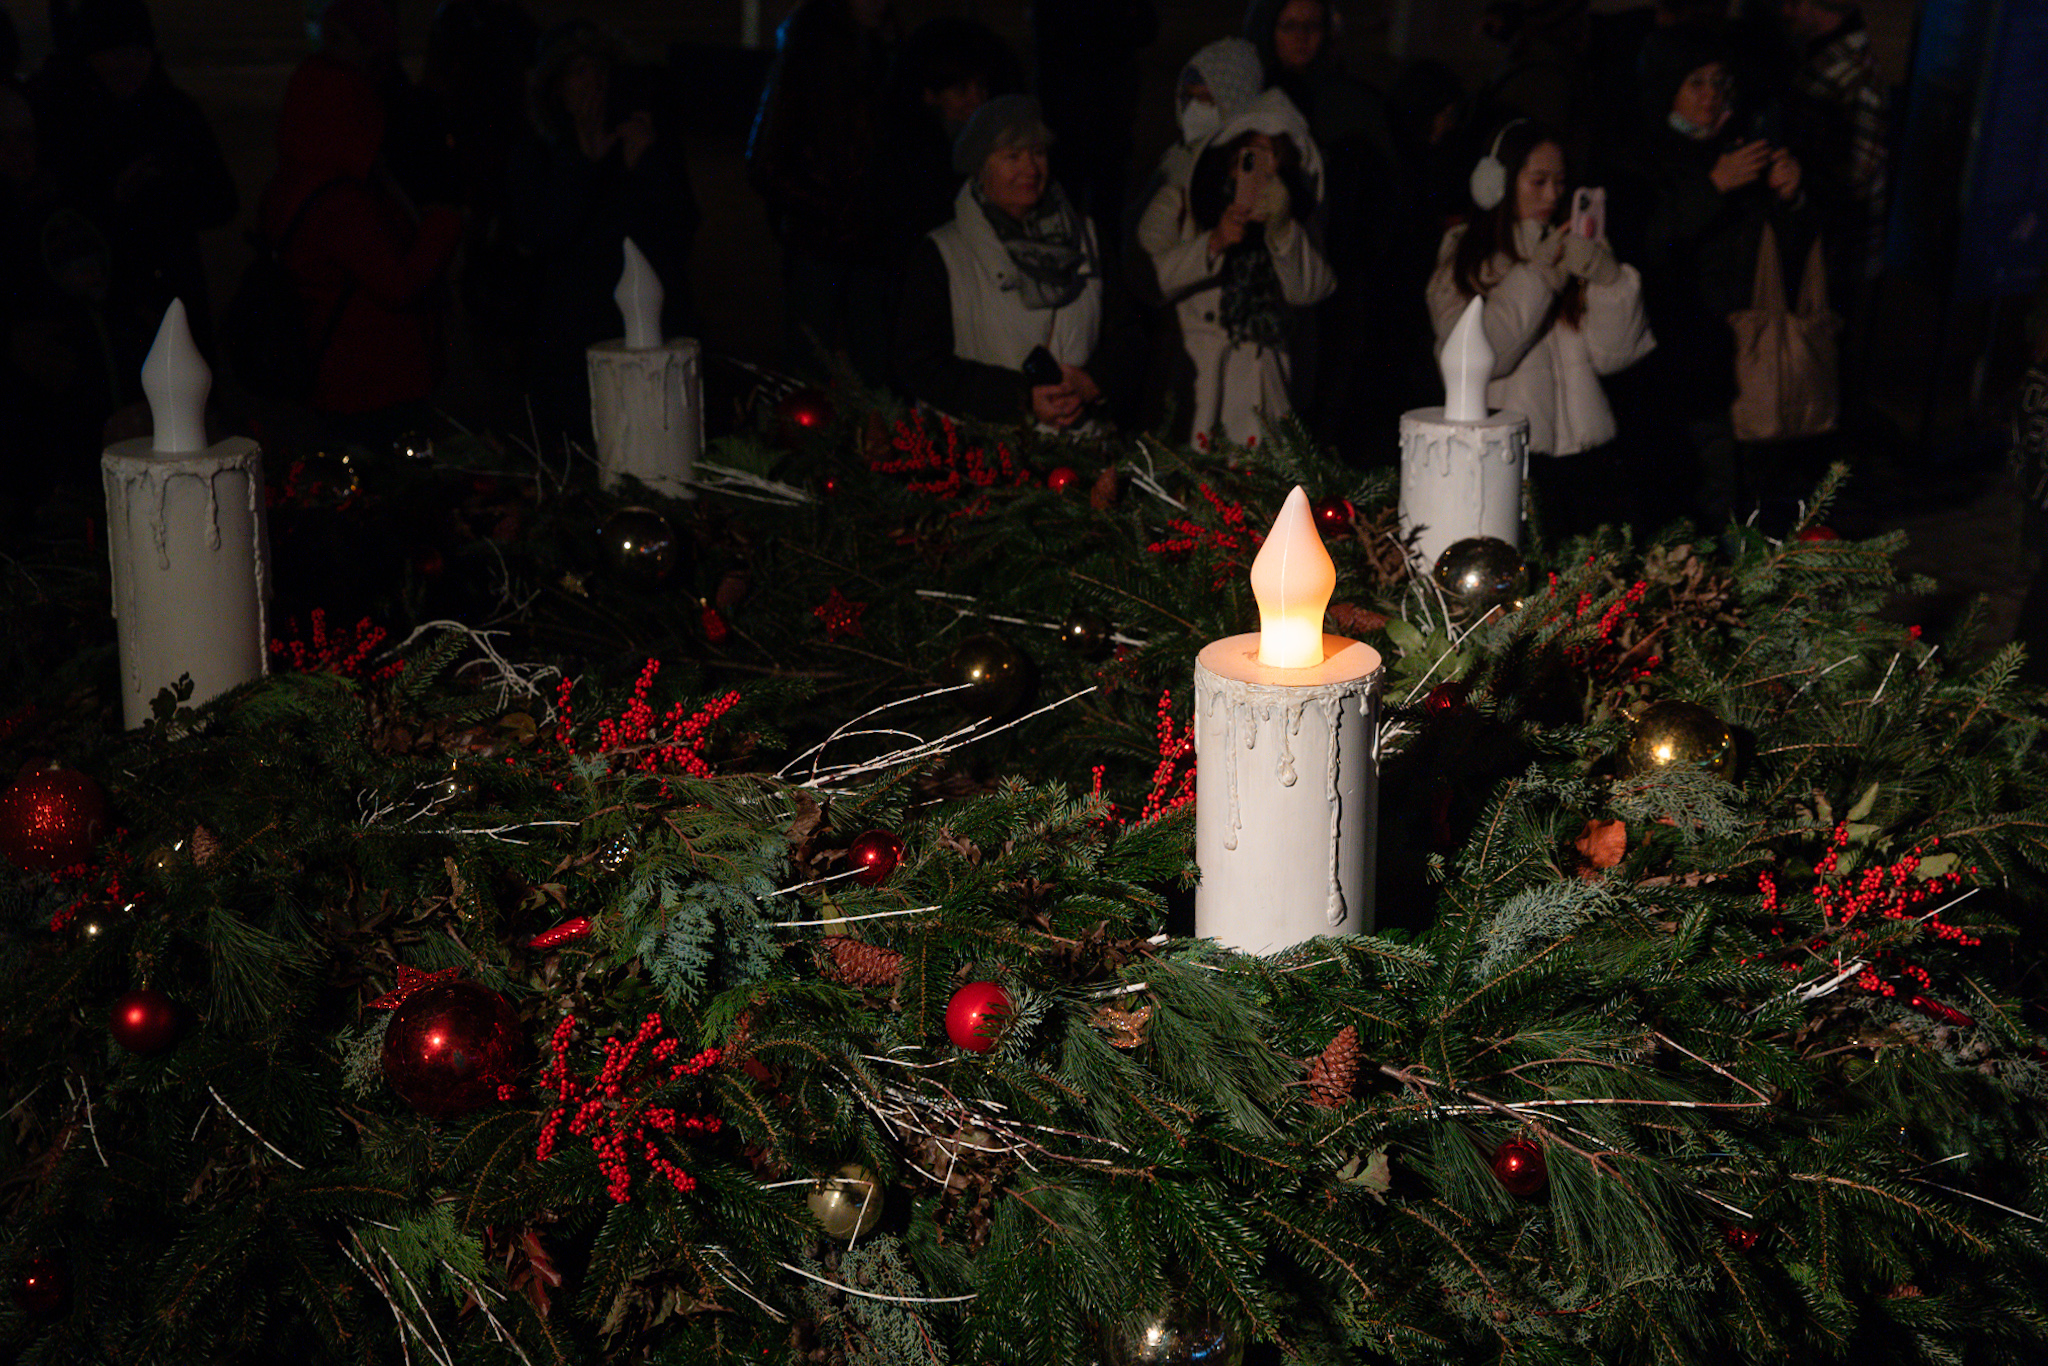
(811,155)
(364,264)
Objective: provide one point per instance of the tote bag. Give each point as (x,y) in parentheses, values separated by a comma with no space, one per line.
(1786,361)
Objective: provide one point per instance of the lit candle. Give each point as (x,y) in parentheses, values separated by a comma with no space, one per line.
(1292,578)
(1287,777)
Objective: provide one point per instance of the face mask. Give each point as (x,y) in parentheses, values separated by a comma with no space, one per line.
(1198,121)
(1680,124)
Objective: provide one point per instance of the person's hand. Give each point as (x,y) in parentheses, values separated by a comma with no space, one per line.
(1740,166)
(635,136)
(1272,205)
(1056,405)
(1784,175)
(1230,231)
(1081,383)
(1589,260)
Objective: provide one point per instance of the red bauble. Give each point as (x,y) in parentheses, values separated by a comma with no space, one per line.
(975,1016)
(451,1048)
(1518,1164)
(51,819)
(1740,1238)
(1060,477)
(145,1021)
(1447,698)
(1820,533)
(803,413)
(41,1286)
(1332,515)
(874,857)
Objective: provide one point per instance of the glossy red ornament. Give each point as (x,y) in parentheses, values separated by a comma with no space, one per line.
(1448,698)
(41,1285)
(51,819)
(976,1014)
(1935,1010)
(1519,1166)
(452,1048)
(567,932)
(1060,477)
(145,1021)
(874,856)
(804,413)
(1820,533)
(1332,515)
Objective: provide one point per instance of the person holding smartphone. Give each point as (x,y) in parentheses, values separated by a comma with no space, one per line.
(1561,310)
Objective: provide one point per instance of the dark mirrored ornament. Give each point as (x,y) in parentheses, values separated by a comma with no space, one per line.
(998,676)
(1086,633)
(639,546)
(451,1048)
(1480,573)
(846,1205)
(1673,737)
(41,1285)
(453,790)
(165,859)
(616,856)
(1178,1337)
(145,1021)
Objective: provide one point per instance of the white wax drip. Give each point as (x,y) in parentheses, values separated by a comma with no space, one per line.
(1461,479)
(646,410)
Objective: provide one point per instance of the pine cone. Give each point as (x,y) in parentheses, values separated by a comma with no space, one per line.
(205,846)
(1332,1072)
(858,963)
(1102,495)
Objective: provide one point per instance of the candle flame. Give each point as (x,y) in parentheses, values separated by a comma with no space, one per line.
(1292,578)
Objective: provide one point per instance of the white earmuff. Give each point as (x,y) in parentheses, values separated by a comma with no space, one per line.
(1489,184)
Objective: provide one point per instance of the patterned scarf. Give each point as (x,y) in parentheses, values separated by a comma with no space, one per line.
(1253,310)
(1047,248)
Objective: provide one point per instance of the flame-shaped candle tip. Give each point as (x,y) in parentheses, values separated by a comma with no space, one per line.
(1292,578)
(639,297)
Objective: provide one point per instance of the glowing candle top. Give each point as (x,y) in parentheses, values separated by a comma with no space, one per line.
(1467,364)
(1292,578)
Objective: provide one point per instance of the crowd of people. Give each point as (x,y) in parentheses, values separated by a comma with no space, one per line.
(968,226)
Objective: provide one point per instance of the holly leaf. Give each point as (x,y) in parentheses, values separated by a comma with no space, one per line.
(1370,1172)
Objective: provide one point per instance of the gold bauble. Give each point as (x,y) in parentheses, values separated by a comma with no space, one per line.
(1086,633)
(1678,736)
(998,676)
(1178,1337)
(453,789)
(165,859)
(413,446)
(639,546)
(849,1204)
(1480,573)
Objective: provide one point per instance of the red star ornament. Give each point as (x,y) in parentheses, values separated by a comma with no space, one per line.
(840,614)
(410,980)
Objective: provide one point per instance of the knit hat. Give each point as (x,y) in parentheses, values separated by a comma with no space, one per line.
(1672,54)
(1231,68)
(1005,121)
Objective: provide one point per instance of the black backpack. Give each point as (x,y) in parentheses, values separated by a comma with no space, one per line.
(263,330)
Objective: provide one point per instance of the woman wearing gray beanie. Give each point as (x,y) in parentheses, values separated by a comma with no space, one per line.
(1001,309)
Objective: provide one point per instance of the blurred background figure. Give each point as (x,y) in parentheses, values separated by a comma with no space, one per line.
(136,156)
(596,170)
(1085,61)
(946,70)
(1001,315)
(812,158)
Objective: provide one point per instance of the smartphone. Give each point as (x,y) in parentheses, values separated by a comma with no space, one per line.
(1589,212)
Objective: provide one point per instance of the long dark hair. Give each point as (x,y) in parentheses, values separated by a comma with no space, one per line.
(1491,232)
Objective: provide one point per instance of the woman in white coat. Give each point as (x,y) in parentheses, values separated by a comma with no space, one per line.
(1230,254)
(1560,310)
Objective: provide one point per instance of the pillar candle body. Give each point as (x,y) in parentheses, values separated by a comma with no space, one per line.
(1287,794)
(647,411)
(185,539)
(1461,479)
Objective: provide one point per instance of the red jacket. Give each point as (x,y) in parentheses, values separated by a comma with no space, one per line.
(359,238)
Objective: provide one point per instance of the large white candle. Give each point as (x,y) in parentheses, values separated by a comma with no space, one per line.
(1462,465)
(646,394)
(184,538)
(1287,767)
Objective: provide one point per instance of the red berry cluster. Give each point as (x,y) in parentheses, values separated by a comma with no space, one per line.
(951,471)
(108,895)
(1228,541)
(674,741)
(298,491)
(1172,788)
(840,614)
(612,1110)
(343,654)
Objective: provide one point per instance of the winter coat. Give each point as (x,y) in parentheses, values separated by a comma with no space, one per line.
(363,264)
(1237,386)
(1543,367)
(962,330)
(812,151)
